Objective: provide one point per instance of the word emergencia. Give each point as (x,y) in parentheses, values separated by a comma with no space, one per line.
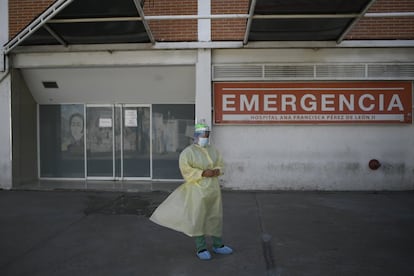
(324,102)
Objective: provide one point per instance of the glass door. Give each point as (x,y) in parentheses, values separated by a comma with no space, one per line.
(118,143)
(100,142)
(136,142)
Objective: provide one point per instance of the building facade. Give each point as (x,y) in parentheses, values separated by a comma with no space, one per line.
(299,95)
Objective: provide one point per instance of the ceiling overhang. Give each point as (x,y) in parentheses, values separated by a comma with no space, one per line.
(92,22)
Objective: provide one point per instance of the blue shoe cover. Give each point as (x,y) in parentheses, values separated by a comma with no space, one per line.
(225,250)
(204,255)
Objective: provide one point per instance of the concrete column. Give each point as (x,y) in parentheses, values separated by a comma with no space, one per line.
(204,25)
(203,86)
(5,104)
(203,66)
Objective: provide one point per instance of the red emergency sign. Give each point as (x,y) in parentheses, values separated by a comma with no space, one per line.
(313,103)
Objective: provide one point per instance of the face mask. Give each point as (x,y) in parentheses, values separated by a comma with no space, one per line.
(202,141)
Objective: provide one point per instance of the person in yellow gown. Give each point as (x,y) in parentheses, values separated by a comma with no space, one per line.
(195,207)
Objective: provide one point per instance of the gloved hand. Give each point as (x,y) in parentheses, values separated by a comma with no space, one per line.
(211,173)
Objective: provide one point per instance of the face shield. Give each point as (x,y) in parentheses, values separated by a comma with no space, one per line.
(201,134)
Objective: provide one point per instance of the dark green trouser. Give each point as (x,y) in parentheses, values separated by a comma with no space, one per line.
(201,242)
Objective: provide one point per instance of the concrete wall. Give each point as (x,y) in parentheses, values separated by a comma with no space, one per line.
(316,157)
(5,134)
(24,114)
(149,84)
(110,77)
(5,94)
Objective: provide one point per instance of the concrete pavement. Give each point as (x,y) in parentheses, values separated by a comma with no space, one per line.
(272,233)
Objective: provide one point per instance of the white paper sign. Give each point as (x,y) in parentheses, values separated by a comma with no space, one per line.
(105,122)
(131,118)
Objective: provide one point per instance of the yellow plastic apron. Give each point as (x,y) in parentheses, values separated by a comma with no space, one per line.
(195,207)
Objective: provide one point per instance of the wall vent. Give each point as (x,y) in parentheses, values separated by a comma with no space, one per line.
(340,71)
(50,84)
(237,71)
(337,71)
(288,71)
(391,71)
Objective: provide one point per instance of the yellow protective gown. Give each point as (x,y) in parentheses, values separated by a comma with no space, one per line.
(195,207)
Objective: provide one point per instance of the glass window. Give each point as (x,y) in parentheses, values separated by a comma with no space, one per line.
(172,127)
(61,130)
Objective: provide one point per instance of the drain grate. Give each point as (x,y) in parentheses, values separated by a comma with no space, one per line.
(124,204)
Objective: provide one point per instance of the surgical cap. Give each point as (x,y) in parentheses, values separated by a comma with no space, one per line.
(201,128)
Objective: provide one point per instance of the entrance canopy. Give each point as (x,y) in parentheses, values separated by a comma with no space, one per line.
(301,20)
(68,22)
(93,22)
